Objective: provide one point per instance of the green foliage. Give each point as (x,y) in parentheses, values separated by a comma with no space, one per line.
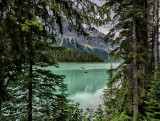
(121,117)
(153,98)
(94,115)
(68,55)
(27,90)
(74,113)
(25,28)
(119,95)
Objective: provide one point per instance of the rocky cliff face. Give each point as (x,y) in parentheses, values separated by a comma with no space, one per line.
(94,43)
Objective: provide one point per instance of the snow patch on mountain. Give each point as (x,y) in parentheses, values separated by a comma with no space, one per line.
(94,43)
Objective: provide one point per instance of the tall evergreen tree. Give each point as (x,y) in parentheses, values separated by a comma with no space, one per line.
(29,27)
(156,33)
(152,109)
(135,65)
(132,31)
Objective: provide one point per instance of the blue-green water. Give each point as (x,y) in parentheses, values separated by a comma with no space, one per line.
(86,81)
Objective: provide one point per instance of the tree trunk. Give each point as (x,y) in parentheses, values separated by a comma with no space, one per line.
(0,100)
(30,94)
(1,80)
(135,68)
(146,46)
(30,98)
(156,43)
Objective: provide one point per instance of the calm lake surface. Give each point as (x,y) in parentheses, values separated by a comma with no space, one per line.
(86,81)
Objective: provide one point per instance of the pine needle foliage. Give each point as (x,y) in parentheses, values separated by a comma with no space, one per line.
(28,29)
(153,100)
(132,19)
(69,55)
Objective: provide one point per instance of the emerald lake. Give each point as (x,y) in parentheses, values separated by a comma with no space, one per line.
(86,81)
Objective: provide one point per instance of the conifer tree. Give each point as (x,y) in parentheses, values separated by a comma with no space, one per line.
(135,66)
(156,33)
(30,25)
(152,109)
(132,31)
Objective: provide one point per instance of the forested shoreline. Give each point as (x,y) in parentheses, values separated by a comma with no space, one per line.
(69,55)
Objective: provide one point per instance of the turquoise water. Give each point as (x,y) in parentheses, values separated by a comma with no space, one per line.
(86,81)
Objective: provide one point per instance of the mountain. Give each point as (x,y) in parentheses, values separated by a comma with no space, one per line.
(94,43)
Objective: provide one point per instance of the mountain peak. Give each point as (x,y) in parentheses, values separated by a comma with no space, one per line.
(94,43)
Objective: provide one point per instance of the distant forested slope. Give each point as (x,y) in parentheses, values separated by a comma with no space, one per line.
(69,55)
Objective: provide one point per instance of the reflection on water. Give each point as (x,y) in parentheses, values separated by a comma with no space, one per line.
(88,100)
(85,81)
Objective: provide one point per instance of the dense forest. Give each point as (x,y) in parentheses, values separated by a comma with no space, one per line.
(69,55)
(30,92)
(27,30)
(133,87)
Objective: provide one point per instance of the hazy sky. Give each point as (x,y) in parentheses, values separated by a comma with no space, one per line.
(98,2)
(103,29)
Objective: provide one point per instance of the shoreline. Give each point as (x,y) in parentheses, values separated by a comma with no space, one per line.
(108,61)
